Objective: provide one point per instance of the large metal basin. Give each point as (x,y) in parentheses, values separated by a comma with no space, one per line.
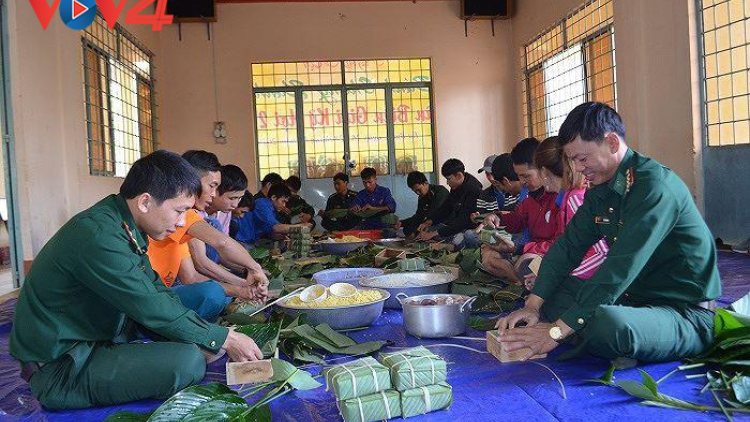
(341,248)
(342,317)
(410,283)
(345,275)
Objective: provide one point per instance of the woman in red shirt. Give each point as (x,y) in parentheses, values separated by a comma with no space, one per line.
(559,176)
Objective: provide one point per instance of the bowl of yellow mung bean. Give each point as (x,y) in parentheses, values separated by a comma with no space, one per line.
(360,310)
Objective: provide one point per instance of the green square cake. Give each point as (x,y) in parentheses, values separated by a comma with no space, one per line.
(412,368)
(426,399)
(375,407)
(358,378)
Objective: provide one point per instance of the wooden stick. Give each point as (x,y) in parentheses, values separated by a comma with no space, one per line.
(276,301)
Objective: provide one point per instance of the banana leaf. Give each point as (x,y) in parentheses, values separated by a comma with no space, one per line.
(286,372)
(469,260)
(318,340)
(259,253)
(310,269)
(128,417)
(336,213)
(482,324)
(266,336)
(365,214)
(200,401)
(238,318)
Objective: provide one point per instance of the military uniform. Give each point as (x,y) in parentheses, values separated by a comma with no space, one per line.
(337,202)
(89,289)
(648,299)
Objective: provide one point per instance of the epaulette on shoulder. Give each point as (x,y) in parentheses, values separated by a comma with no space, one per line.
(629,179)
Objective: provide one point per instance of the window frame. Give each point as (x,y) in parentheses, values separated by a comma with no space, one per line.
(344,88)
(585,42)
(704,78)
(108,165)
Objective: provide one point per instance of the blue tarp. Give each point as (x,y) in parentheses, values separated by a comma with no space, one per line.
(484,389)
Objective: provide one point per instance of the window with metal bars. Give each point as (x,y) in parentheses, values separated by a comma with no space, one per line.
(376,113)
(570,63)
(119,95)
(725,51)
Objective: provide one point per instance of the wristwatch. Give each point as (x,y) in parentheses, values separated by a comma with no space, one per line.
(556,333)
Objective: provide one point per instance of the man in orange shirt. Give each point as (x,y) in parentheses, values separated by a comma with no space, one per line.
(171,257)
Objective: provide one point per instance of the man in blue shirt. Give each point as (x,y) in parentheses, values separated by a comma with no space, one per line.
(375,198)
(263,219)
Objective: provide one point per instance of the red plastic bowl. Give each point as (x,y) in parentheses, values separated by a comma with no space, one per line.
(362,234)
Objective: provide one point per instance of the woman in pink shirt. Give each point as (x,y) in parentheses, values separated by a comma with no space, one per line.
(558,176)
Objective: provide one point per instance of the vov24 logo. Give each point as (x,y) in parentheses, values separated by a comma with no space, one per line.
(79,14)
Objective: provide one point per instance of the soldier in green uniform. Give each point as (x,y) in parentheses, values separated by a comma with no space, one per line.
(91,290)
(342,199)
(651,298)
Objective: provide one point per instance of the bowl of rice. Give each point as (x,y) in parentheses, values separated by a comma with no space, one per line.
(359,310)
(342,245)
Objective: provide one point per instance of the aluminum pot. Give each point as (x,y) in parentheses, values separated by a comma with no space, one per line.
(435,321)
(424,283)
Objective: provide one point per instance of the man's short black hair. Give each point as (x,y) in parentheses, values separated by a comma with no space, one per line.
(294,182)
(162,174)
(523,152)
(272,178)
(368,173)
(415,178)
(203,161)
(341,176)
(591,121)
(452,166)
(502,168)
(232,179)
(279,191)
(247,201)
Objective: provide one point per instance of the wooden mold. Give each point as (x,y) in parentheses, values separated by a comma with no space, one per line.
(251,372)
(495,347)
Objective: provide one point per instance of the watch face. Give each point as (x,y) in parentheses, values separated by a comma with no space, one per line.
(555,333)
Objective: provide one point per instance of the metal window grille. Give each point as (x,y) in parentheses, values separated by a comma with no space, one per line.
(119,96)
(571,62)
(725,51)
(309,116)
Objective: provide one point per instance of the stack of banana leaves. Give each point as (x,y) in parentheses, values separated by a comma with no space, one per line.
(302,342)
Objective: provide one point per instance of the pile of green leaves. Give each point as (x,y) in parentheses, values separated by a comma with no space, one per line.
(365,214)
(363,257)
(304,343)
(218,403)
(335,214)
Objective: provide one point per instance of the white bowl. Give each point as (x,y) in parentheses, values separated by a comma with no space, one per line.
(343,290)
(316,293)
